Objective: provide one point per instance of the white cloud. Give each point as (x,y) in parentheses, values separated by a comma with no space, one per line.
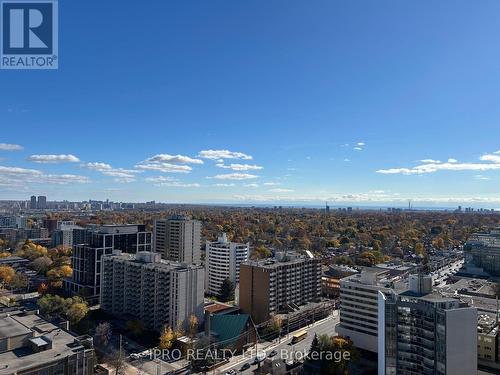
(490,157)
(21,176)
(124,180)
(235,176)
(10,147)
(432,161)
(224,185)
(165,167)
(178,184)
(174,159)
(239,167)
(361,143)
(62,158)
(122,175)
(358,149)
(450,165)
(223,154)
(160,179)
(481,177)
(347,160)
(251,185)
(279,190)
(271,183)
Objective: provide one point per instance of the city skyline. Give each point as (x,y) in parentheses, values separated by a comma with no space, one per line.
(268,104)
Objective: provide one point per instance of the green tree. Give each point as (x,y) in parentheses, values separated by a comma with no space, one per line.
(226,291)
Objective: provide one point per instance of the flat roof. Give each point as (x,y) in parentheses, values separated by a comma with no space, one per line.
(10,327)
(63,345)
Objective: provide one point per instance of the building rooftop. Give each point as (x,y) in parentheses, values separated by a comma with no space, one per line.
(10,327)
(150,259)
(279,260)
(39,333)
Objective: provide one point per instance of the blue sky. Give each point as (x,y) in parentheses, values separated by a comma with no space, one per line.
(301,102)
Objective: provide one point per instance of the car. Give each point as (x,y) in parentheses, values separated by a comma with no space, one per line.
(246,366)
(272,354)
(231,372)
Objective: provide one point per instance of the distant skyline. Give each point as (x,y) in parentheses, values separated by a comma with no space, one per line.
(265,102)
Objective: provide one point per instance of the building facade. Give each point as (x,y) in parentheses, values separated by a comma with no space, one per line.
(222,261)
(153,290)
(178,239)
(272,286)
(483,253)
(422,332)
(359,317)
(99,241)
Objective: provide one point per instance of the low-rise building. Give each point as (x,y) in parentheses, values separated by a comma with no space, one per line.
(30,345)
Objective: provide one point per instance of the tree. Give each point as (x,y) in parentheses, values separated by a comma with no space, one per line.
(261,252)
(74,309)
(77,311)
(193,325)
(66,271)
(102,334)
(226,291)
(6,274)
(136,327)
(419,249)
(314,345)
(117,361)
(19,281)
(41,265)
(167,338)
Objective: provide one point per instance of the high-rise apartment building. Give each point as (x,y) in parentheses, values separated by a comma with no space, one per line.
(33,202)
(178,239)
(482,253)
(99,241)
(421,332)
(41,203)
(359,317)
(153,290)
(68,235)
(272,286)
(222,261)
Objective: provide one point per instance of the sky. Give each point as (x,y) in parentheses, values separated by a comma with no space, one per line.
(267,101)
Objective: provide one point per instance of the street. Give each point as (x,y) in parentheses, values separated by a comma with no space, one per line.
(284,349)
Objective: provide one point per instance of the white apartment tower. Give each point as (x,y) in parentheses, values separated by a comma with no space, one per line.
(153,290)
(178,239)
(359,313)
(222,261)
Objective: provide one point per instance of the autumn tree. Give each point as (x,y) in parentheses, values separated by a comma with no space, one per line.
(193,326)
(6,274)
(167,338)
